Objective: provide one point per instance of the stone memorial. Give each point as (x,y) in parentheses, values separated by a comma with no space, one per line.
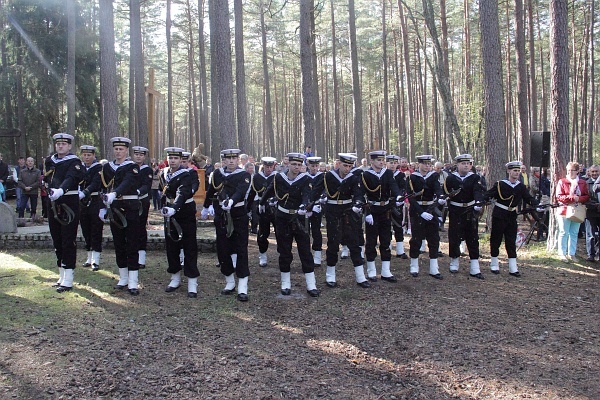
(8,219)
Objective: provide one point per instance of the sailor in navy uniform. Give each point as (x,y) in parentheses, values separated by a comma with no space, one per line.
(397,213)
(381,191)
(463,209)
(185,161)
(90,205)
(226,193)
(343,214)
(176,184)
(315,219)
(424,187)
(146,174)
(120,181)
(266,217)
(63,172)
(292,190)
(507,194)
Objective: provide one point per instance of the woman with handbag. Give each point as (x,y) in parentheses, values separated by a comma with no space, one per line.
(571,193)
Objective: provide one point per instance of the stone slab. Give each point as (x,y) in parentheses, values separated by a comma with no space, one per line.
(8,219)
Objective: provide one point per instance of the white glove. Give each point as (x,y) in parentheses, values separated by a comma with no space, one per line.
(540,209)
(302,209)
(110,197)
(204,213)
(228,205)
(309,214)
(102,214)
(399,203)
(369,219)
(357,210)
(262,209)
(442,202)
(211,210)
(168,211)
(426,216)
(316,209)
(56,193)
(81,195)
(477,208)
(323,200)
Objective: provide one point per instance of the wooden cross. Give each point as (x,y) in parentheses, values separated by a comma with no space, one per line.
(151,128)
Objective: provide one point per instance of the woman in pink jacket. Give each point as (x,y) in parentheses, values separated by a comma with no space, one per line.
(570,190)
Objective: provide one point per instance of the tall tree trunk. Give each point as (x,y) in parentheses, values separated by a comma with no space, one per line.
(491,54)
(224,74)
(141,114)
(591,113)
(336,98)
(408,74)
(559,81)
(215,128)
(195,126)
(356,90)
(240,78)
(524,148)
(386,100)
(204,120)
(170,133)
(108,77)
(533,90)
(319,142)
(308,111)
(22,143)
(268,121)
(70,89)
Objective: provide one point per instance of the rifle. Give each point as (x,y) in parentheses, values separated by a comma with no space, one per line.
(224,200)
(168,222)
(63,215)
(121,223)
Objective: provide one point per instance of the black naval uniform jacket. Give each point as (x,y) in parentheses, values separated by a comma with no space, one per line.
(427,189)
(341,194)
(507,196)
(124,180)
(228,184)
(195,180)
(380,189)
(92,184)
(176,188)
(145,182)
(259,184)
(64,173)
(290,194)
(471,191)
(400,178)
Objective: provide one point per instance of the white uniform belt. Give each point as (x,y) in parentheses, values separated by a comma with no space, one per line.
(171,201)
(454,203)
(71,193)
(143,196)
(505,207)
(241,203)
(94,194)
(348,201)
(285,210)
(424,203)
(379,203)
(128,197)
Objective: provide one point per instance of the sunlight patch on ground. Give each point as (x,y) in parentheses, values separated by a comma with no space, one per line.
(286,328)
(352,353)
(12,262)
(244,317)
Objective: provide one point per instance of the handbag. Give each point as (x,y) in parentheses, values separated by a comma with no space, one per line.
(576,213)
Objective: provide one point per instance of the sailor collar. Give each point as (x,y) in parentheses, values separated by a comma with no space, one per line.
(169,176)
(92,165)
(462,177)
(143,166)
(117,166)
(377,174)
(417,173)
(297,178)
(336,174)
(315,175)
(261,173)
(509,183)
(396,172)
(57,160)
(235,171)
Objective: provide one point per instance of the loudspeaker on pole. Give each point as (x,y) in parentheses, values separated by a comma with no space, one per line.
(540,149)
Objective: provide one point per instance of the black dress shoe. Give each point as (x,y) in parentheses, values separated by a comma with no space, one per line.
(436,276)
(170,289)
(141,266)
(517,274)
(95,267)
(262,265)
(313,293)
(402,256)
(590,259)
(242,297)
(372,278)
(440,254)
(495,271)
(61,289)
(56,285)
(227,292)
(286,292)
(134,292)
(454,271)
(86,265)
(389,279)
(117,286)
(331,284)
(316,265)
(478,276)
(414,274)
(192,295)
(364,284)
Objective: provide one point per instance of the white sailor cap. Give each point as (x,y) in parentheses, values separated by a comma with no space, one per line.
(463,157)
(87,149)
(347,158)
(313,160)
(120,141)
(174,151)
(299,157)
(392,157)
(140,149)
(186,155)
(377,155)
(230,153)
(425,159)
(63,138)
(513,165)
(268,160)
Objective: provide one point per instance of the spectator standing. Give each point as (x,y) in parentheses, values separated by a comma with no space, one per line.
(308,152)
(592,215)
(3,176)
(155,182)
(28,183)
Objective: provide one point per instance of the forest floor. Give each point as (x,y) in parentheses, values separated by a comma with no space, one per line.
(504,337)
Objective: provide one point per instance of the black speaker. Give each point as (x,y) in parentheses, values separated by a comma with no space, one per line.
(540,149)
